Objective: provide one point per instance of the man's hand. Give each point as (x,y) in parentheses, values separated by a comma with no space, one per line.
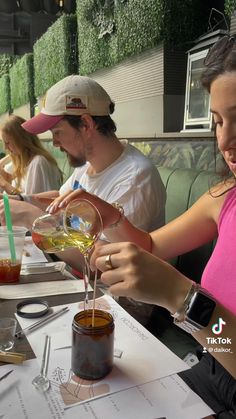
(22,213)
(7,176)
(2,182)
(15,197)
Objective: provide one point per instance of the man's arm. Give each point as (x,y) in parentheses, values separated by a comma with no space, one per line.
(22,213)
(6,185)
(42,199)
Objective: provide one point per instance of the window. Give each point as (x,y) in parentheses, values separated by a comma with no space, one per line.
(197,115)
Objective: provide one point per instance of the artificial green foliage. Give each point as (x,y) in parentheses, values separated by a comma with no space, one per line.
(182,154)
(5,102)
(22,81)
(184,21)
(230,6)
(55,54)
(143,146)
(6,62)
(111,30)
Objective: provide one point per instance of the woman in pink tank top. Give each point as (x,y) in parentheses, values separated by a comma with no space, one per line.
(134,263)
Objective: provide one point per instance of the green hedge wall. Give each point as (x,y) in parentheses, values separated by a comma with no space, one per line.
(6,62)
(230,6)
(22,81)
(55,53)
(126,27)
(5,101)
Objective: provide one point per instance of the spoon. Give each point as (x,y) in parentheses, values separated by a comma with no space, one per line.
(41,382)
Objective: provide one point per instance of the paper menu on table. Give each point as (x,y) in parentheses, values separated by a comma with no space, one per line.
(42,289)
(31,253)
(168,397)
(144,358)
(19,399)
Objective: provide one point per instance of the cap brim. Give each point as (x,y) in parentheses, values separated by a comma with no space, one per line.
(41,123)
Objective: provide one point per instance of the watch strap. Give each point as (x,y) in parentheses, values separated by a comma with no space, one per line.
(188,326)
(180,314)
(183,319)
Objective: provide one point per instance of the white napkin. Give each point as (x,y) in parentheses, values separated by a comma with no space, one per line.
(43,268)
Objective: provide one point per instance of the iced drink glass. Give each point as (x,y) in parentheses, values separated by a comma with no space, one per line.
(10,268)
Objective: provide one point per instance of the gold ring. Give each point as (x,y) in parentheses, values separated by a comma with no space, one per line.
(108,263)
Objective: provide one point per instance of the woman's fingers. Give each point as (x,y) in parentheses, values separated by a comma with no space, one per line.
(102,250)
(70,197)
(118,263)
(62,200)
(109,213)
(130,271)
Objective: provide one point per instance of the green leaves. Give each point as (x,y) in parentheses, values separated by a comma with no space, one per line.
(55,57)
(200,155)
(22,82)
(230,6)
(55,54)
(5,102)
(6,62)
(133,26)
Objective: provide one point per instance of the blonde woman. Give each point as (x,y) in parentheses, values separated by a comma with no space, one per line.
(32,169)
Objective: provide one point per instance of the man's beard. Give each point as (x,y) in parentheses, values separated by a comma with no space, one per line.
(74,161)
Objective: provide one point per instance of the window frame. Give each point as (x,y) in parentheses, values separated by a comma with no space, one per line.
(192,124)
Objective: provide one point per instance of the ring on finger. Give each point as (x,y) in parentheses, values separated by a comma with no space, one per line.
(108,262)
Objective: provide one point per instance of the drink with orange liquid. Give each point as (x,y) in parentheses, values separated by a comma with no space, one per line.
(9,271)
(10,263)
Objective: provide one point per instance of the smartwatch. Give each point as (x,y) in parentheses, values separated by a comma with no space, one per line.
(198,312)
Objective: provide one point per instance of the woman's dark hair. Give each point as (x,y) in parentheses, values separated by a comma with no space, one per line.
(105,125)
(220,59)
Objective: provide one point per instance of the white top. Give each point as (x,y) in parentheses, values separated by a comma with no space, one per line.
(41,176)
(132,181)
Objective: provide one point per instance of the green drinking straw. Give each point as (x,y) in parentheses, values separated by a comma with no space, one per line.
(9,226)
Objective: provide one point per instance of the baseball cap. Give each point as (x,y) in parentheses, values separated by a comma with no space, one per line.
(73,95)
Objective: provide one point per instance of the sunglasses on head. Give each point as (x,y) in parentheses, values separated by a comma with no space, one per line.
(220,48)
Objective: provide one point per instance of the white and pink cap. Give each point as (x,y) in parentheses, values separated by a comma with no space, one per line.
(73,95)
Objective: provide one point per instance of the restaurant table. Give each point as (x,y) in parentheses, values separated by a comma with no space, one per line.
(8,307)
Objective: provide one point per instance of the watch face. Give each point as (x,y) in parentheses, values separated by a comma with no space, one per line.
(201,309)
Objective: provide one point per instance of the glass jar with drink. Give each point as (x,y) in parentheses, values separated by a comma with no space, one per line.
(79,226)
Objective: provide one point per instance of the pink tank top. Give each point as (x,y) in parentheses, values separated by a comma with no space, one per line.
(219,276)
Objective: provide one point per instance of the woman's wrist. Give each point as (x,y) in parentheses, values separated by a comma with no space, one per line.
(178,291)
(120,215)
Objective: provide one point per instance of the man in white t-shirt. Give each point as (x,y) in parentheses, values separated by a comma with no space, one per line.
(77,111)
(132,181)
